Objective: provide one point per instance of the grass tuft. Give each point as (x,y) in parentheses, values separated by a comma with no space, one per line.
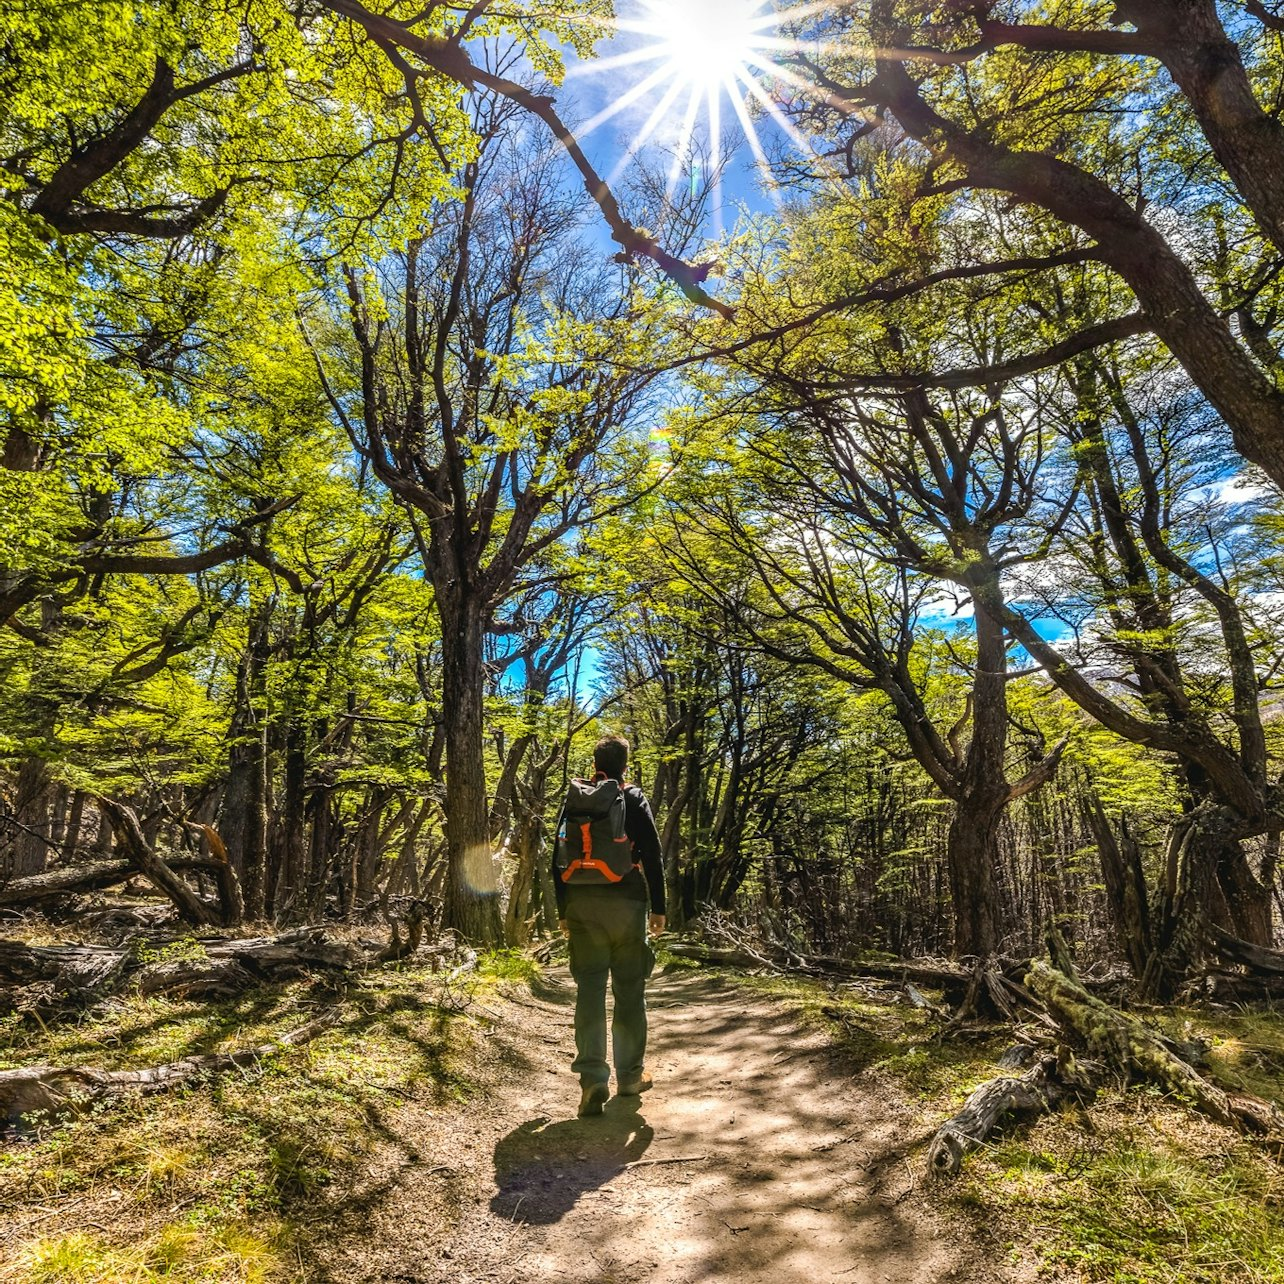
(508,965)
(180,1253)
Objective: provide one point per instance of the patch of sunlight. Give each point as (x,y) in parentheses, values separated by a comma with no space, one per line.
(181,1253)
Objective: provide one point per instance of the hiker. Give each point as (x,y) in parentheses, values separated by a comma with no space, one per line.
(606,868)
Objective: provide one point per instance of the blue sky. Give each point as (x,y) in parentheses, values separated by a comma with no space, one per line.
(595,85)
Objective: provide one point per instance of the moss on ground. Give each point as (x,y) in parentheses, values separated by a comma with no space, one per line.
(230,1179)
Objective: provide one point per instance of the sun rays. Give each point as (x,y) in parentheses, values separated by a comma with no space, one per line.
(699,68)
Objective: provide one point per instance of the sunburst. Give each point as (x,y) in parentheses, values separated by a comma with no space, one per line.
(699,64)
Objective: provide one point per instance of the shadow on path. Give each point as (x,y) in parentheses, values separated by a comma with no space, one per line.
(544,1169)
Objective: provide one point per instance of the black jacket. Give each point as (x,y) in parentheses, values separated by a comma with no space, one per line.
(638,885)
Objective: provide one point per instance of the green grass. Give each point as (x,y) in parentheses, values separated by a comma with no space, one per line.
(248,1157)
(1136,1189)
(508,965)
(671,962)
(180,1252)
(892,1039)
(1148,1196)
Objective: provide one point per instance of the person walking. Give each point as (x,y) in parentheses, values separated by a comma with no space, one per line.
(607,870)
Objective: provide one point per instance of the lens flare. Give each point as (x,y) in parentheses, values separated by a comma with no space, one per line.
(708,55)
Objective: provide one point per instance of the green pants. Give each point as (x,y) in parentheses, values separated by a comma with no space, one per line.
(608,938)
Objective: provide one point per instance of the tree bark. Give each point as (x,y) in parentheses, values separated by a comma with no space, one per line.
(1034,1093)
(1125,883)
(243,816)
(472,893)
(1178,311)
(129,838)
(31,810)
(972,855)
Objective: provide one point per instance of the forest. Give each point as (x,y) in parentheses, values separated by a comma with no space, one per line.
(901,477)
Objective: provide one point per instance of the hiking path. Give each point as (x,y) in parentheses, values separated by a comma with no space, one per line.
(757,1159)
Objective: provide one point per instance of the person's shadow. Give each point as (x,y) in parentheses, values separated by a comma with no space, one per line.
(542,1168)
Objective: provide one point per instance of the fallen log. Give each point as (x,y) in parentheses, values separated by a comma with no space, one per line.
(1258,959)
(121,921)
(950,979)
(128,835)
(1138,1052)
(90,877)
(79,975)
(1235,987)
(713,955)
(304,949)
(74,971)
(931,974)
(197,978)
(46,1092)
(1009,1097)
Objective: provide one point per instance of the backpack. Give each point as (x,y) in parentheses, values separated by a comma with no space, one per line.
(592,846)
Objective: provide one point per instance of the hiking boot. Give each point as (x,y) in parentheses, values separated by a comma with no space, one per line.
(636,1087)
(593,1098)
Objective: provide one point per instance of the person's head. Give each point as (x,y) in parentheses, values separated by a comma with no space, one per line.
(611,757)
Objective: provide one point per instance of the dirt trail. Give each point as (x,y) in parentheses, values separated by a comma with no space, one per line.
(755,1159)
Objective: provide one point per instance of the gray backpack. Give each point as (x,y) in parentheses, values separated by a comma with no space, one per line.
(592,846)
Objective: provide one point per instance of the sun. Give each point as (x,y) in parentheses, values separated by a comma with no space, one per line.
(709,44)
(702,65)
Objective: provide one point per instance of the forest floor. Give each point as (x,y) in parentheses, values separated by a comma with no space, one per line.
(755,1159)
(430,1136)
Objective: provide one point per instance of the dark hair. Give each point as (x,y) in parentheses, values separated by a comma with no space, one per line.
(611,756)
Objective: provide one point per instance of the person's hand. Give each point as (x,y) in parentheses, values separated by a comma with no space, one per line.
(565,926)
(657,924)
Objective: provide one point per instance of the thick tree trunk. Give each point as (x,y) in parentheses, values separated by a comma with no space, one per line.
(289,893)
(983,792)
(472,892)
(528,829)
(31,810)
(1248,899)
(243,817)
(972,855)
(1190,40)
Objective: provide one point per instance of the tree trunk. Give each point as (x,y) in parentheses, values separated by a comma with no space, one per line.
(1125,883)
(972,855)
(74,820)
(1248,899)
(243,821)
(472,892)
(972,847)
(130,840)
(290,899)
(320,855)
(31,811)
